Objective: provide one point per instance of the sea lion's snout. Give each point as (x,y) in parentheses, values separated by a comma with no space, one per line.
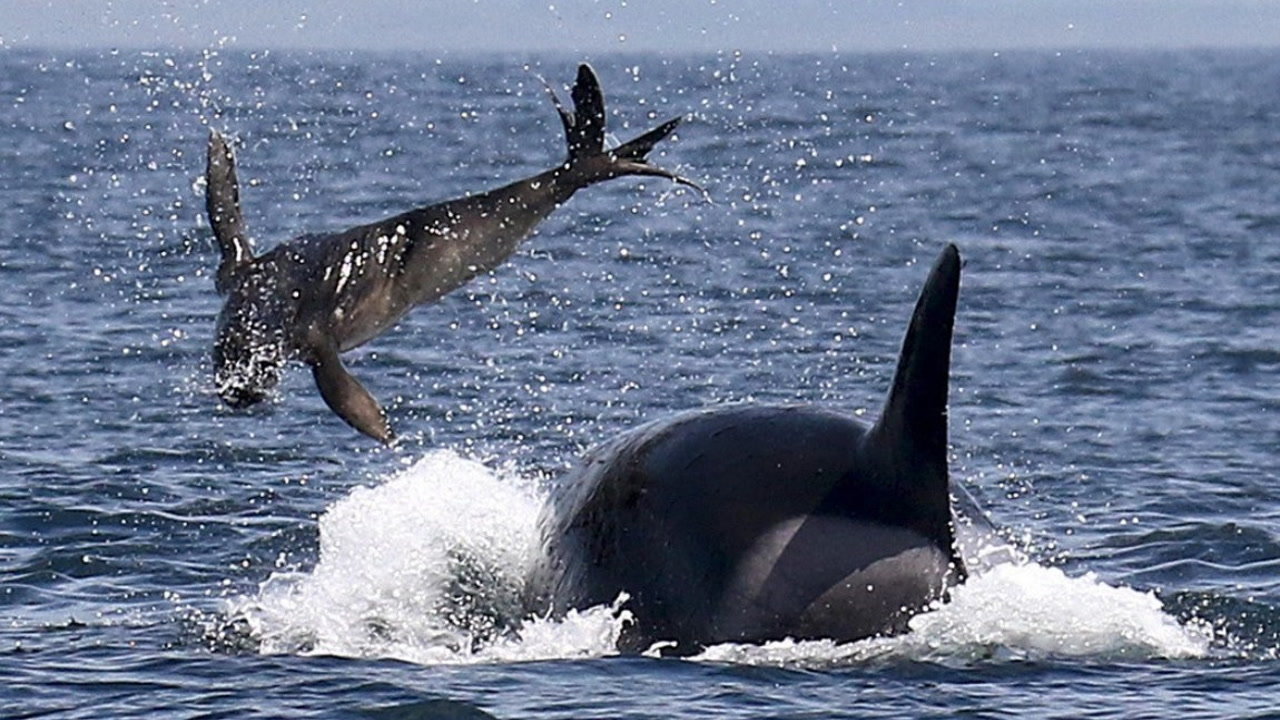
(239,398)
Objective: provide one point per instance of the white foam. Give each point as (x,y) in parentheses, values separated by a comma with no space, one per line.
(428,567)
(1012,611)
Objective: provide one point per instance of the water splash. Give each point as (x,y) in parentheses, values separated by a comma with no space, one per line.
(1010,612)
(428,568)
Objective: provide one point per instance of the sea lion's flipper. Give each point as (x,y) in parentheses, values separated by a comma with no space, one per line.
(346,396)
(584,130)
(222,202)
(586,136)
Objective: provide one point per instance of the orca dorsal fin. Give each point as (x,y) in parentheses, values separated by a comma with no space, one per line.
(915,414)
(222,202)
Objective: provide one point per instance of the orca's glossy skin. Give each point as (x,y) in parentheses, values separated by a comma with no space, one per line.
(756,523)
(317,296)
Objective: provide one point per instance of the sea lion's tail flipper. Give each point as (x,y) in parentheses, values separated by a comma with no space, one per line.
(346,396)
(222,202)
(584,131)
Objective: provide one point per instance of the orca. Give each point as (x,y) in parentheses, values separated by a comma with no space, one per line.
(751,523)
(317,296)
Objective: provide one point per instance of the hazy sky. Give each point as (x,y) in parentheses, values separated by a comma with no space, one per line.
(664,25)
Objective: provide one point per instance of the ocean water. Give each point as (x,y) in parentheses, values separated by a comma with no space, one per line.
(1115,395)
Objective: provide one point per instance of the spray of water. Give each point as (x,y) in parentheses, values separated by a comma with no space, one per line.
(428,567)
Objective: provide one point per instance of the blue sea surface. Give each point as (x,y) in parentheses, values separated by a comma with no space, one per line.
(1115,401)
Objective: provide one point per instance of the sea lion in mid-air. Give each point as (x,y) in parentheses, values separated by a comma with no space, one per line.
(753,523)
(316,296)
